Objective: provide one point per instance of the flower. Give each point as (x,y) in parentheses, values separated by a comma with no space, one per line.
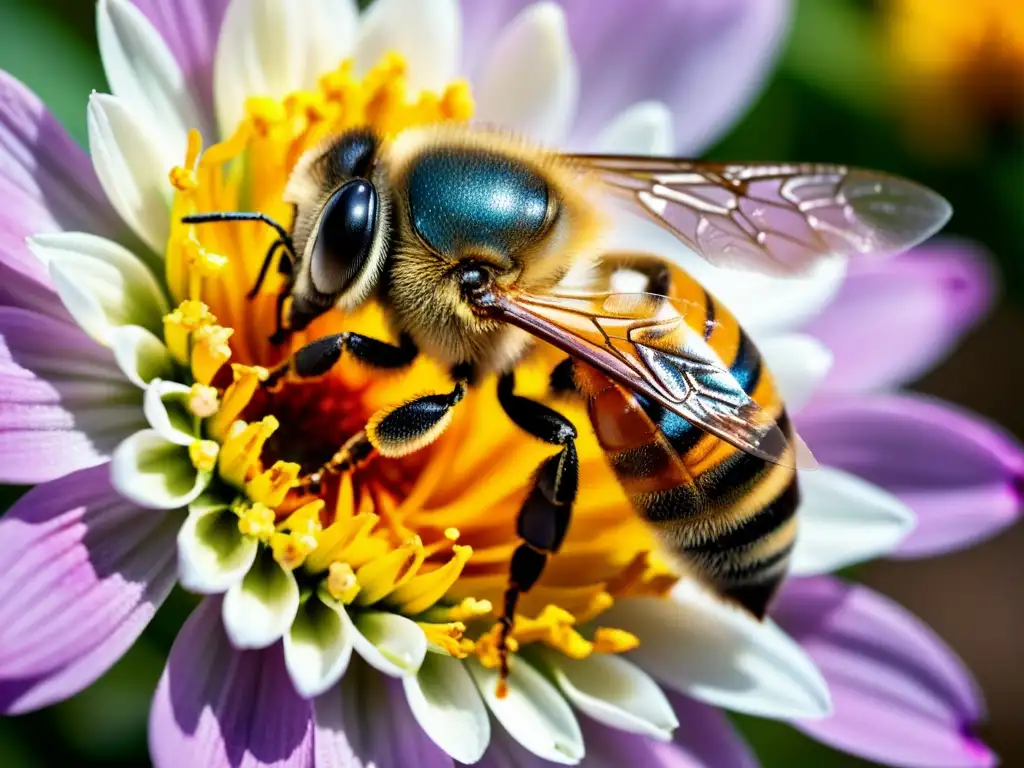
(961,65)
(351,623)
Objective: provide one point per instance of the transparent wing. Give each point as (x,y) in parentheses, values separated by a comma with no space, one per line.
(775,217)
(643,342)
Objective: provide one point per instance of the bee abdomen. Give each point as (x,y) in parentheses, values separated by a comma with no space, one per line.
(748,561)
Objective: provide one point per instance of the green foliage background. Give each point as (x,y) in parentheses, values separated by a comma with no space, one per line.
(829,99)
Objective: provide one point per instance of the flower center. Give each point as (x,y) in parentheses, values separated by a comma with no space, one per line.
(428,535)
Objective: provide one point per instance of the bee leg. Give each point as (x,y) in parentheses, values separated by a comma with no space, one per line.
(393,432)
(544,517)
(404,429)
(284,266)
(562,381)
(318,357)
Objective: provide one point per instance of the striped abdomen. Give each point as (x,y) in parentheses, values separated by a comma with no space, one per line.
(729,514)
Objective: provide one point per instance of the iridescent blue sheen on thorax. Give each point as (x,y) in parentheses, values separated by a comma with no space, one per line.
(463,201)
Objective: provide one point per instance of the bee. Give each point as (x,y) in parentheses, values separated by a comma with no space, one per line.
(478,244)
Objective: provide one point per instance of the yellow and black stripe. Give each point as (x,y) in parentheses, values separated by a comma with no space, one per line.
(728,513)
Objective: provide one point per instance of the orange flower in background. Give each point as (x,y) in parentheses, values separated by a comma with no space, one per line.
(960,66)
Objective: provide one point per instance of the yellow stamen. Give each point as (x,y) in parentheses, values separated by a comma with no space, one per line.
(342,583)
(271,486)
(340,542)
(240,453)
(256,521)
(448,637)
(203,401)
(423,590)
(203,454)
(611,640)
(180,323)
(210,350)
(380,577)
(237,396)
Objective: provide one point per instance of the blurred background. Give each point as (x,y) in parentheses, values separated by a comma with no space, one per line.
(930,89)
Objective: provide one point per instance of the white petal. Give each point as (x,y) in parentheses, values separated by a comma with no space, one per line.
(260,608)
(534,712)
(427,33)
(166,409)
(845,520)
(154,473)
(318,647)
(140,355)
(143,72)
(645,128)
(448,707)
(799,364)
(719,654)
(272,48)
(131,167)
(531,80)
(391,643)
(213,554)
(331,27)
(615,692)
(101,283)
(766,304)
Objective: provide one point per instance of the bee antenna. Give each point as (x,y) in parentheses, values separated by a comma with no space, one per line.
(210,218)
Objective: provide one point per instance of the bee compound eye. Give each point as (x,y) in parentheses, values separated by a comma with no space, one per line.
(345,237)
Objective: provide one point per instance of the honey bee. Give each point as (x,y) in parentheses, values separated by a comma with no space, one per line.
(478,244)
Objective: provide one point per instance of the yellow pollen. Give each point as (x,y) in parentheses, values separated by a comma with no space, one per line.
(203,454)
(203,400)
(470,609)
(210,350)
(182,179)
(342,583)
(256,521)
(180,323)
(271,486)
(448,637)
(240,453)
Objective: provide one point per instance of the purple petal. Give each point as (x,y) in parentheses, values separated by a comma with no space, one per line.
(366,721)
(64,404)
(216,706)
(961,475)
(82,572)
(190,29)
(47,184)
(893,320)
(900,695)
(705,58)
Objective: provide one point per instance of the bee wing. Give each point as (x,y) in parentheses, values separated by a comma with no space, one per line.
(643,342)
(775,217)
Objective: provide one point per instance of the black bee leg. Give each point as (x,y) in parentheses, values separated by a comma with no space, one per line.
(318,357)
(544,517)
(284,266)
(411,426)
(562,382)
(394,432)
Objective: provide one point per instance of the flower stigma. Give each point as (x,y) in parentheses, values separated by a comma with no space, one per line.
(430,535)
